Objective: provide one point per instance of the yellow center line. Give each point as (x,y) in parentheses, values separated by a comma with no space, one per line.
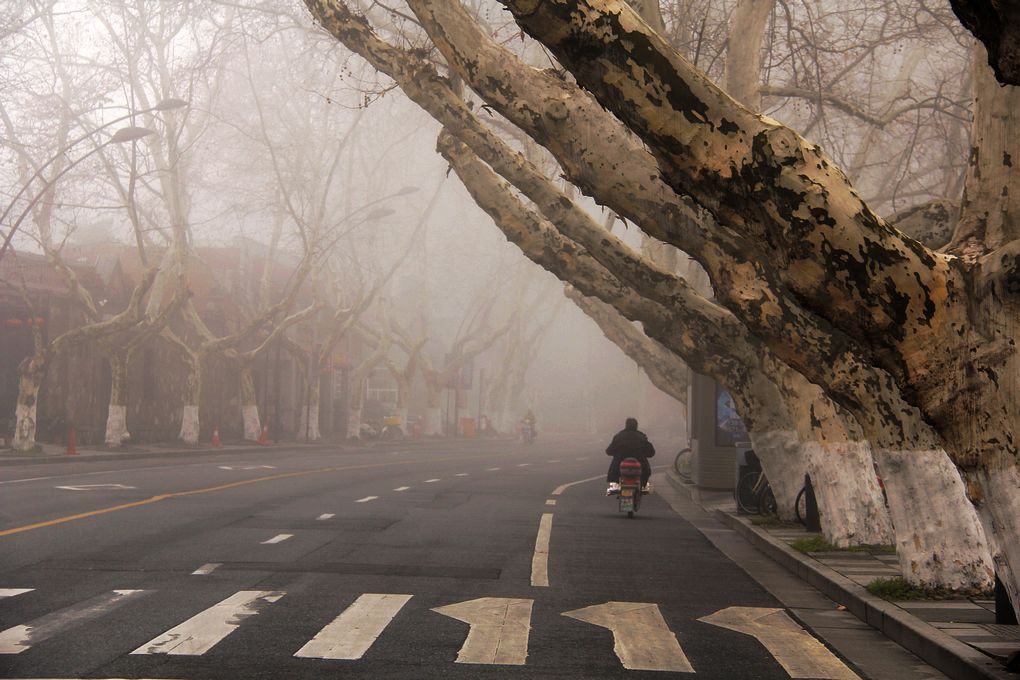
(221,487)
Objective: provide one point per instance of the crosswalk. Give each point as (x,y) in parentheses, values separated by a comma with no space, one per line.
(498,633)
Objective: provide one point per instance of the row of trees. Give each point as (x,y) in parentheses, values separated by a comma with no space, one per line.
(843,338)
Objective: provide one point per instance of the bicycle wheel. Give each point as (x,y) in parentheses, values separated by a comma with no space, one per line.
(682,464)
(800,505)
(745,493)
(767,504)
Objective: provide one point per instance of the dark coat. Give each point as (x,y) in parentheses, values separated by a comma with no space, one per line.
(630,443)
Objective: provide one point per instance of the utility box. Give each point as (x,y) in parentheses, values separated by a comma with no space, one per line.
(717,434)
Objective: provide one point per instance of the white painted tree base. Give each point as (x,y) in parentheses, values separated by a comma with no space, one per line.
(24,429)
(782,458)
(849,497)
(189,425)
(354,424)
(252,422)
(433,422)
(1000,512)
(308,426)
(116,426)
(939,540)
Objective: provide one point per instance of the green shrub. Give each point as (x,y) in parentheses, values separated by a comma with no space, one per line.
(898,588)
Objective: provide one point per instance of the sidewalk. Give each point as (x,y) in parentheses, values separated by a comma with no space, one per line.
(958,636)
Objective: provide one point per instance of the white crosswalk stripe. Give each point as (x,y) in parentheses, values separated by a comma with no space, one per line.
(352,633)
(11,592)
(206,629)
(19,638)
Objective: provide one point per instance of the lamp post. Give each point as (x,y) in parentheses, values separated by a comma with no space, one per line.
(130,133)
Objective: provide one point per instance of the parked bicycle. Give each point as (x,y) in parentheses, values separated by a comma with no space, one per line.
(754,494)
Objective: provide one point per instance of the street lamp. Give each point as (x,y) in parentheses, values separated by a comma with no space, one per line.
(130,133)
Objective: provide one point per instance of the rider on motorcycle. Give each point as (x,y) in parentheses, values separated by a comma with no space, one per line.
(629,442)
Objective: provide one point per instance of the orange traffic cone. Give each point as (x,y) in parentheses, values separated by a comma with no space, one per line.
(216,438)
(264,437)
(72,442)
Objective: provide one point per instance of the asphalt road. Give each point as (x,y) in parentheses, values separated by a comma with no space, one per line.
(298,564)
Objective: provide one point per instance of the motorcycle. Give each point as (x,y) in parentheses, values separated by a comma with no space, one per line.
(630,486)
(527,433)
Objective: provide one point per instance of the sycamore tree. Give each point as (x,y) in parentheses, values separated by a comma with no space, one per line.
(913,346)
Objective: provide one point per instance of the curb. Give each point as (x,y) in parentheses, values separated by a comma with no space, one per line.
(171,453)
(945,653)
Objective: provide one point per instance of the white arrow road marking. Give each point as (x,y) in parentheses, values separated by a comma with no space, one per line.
(402,488)
(11,592)
(352,633)
(540,560)
(366,499)
(796,650)
(19,638)
(326,515)
(641,638)
(499,629)
(203,631)
(279,538)
(95,487)
(206,569)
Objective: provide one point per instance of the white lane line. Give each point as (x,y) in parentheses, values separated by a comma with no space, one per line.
(203,631)
(499,629)
(366,499)
(524,465)
(550,502)
(796,650)
(11,592)
(462,474)
(95,487)
(402,488)
(19,638)
(641,638)
(540,560)
(563,487)
(352,633)
(326,515)
(555,460)
(279,538)
(493,469)
(206,569)
(430,481)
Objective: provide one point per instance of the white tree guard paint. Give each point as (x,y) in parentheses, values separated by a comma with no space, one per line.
(354,423)
(252,422)
(784,463)
(849,497)
(1000,512)
(24,430)
(116,426)
(433,422)
(189,424)
(462,413)
(939,539)
(308,426)
(402,414)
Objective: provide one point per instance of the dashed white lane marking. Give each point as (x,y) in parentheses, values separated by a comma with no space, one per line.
(96,487)
(352,633)
(641,638)
(366,499)
(326,515)
(402,488)
(11,592)
(499,629)
(19,638)
(540,560)
(563,487)
(203,631)
(462,474)
(430,481)
(493,469)
(555,460)
(550,502)
(524,465)
(206,569)
(798,652)
(279,538)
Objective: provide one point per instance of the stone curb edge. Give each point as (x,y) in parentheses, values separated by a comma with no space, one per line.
(948,655)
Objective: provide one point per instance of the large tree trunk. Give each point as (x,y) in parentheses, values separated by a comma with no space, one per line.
(116,419)
(31,375)
(308,428)
(192,398)
(249,404)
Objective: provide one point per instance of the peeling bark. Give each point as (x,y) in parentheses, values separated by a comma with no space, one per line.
(116,420)
(249,405)
(33,370)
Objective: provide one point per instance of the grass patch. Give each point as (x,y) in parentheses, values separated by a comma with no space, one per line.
(817,544)
(770,522)
(897,588)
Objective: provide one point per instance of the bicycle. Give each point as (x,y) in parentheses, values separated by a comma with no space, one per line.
(754,494)
(682,464)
